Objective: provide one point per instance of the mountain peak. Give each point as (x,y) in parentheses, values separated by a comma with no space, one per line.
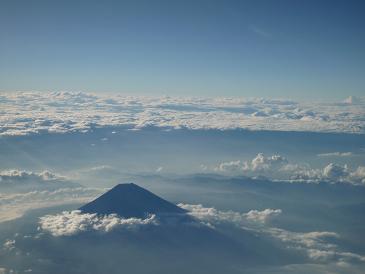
(130,200)
(126,186)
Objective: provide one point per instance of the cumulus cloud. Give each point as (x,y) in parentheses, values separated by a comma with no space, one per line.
(232,166)
(277,167)
(14,205)
(75,222)
(331,173)
(258,163)
(62,112)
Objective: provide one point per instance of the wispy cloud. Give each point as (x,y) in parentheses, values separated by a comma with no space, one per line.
(14,205)
(335,154)
(259,31)
(316,245)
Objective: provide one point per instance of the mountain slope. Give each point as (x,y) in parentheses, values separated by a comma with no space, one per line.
(130,200)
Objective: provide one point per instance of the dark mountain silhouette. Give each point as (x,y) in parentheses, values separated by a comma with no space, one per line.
(130,200)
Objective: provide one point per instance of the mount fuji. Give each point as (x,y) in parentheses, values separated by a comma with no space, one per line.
(131,200)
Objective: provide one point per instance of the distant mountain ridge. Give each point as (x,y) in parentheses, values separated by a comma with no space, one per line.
(130,200)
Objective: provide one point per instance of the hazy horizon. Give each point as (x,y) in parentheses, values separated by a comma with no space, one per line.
(286,49)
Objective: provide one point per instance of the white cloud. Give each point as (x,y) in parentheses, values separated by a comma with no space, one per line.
(75,222)
(16,176)
(232,166)
(14,205)
(358,175)
(339,267)
(311,240)
(326,255)
(61,112)
(25,190)
(316,245)
(277,167)
(262,216)
(9,245)
(212,215)
(335,154)
(335,171)
(260,162)
(331,173)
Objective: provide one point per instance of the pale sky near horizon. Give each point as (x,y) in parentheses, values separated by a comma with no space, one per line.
(275,49)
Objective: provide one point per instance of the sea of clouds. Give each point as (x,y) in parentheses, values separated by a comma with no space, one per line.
(23,113)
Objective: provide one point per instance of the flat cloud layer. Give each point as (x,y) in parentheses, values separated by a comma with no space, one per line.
(61,112)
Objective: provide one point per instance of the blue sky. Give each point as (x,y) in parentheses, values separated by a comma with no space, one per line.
(296,49)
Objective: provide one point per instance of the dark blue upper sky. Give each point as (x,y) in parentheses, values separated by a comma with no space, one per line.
(296,49)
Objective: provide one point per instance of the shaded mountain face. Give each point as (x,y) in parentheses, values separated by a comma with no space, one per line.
(130,200)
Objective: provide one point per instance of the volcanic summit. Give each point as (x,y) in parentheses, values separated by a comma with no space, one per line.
(131,200)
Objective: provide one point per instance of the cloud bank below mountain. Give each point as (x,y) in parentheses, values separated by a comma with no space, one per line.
(70,223)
